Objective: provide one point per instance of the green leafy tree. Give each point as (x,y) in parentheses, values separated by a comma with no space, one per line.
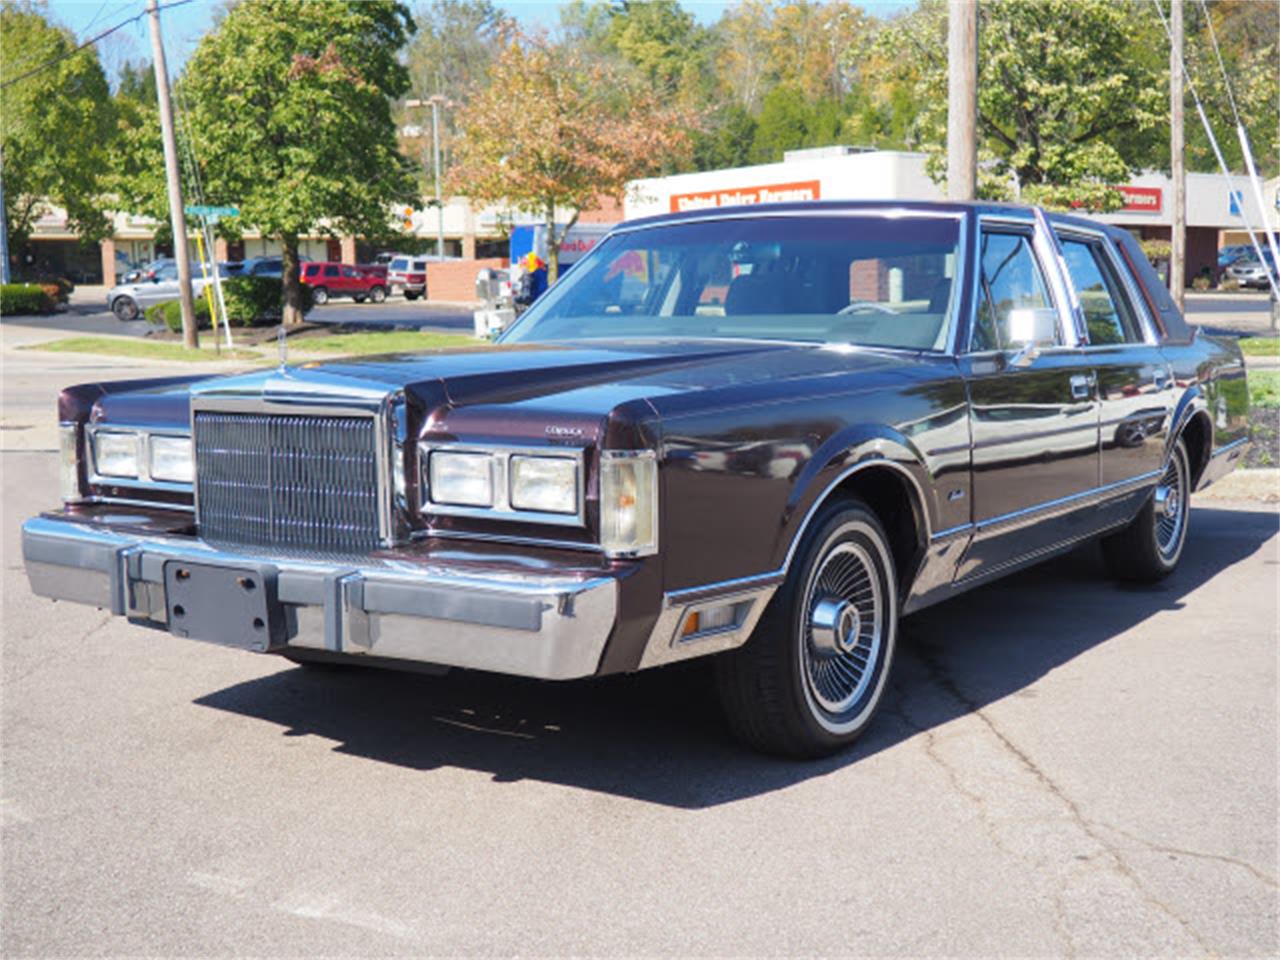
(788,121)
(555,130)
(54,127)
(1066,109)
(290,104)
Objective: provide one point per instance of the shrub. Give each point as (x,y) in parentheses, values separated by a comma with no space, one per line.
(24,298)
(1201,283)
(169,314)
(1156,250)
(258,301)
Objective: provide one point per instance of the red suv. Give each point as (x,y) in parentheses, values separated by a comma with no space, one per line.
(343,280)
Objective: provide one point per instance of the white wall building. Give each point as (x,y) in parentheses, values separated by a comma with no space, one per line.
(1214,217)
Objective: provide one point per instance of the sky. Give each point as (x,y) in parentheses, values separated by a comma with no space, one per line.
(183,26)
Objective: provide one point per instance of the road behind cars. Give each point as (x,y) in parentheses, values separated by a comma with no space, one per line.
(1064,766)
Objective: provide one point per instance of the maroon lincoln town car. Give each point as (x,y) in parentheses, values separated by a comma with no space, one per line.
(763,434)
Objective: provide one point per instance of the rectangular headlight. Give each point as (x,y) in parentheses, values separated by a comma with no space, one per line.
(171,459)
(628,502)
(464,479)
(544,484)
(115,454)
(69,462)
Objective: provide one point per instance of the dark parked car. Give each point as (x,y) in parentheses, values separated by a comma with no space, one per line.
(763,434)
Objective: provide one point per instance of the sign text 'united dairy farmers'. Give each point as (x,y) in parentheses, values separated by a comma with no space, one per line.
(740,196)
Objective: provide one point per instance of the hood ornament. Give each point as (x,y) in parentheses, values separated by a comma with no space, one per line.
(282,341)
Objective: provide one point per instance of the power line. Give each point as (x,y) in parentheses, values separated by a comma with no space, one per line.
(1213,37)
(88,43)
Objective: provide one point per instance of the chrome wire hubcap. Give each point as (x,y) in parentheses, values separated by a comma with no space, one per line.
(1170,507)
(843,628)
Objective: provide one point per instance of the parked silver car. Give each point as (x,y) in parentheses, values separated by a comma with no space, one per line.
(1251,272)
(128,300)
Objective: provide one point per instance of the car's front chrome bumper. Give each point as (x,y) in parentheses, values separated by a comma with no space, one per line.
(534,625)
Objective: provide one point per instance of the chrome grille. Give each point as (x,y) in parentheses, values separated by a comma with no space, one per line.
(286,480)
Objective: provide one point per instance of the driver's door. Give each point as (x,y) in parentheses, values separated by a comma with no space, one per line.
(1033,419)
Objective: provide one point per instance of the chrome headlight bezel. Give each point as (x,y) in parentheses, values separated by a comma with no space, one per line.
(502,507)
(142,477)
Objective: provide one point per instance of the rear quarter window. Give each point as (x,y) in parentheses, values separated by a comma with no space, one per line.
(399,264)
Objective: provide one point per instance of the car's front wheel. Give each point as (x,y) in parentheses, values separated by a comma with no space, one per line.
(811,677)
(319,296)
(358,297)
(1149,548)
(125,308)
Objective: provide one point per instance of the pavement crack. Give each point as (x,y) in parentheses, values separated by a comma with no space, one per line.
(937,672)
(1245,865)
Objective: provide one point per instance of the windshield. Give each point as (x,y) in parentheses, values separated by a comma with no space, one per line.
(869,280)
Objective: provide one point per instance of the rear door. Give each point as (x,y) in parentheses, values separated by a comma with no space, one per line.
(1135,384)
(1034,427)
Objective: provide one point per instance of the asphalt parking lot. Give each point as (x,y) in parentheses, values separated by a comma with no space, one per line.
(1064,767)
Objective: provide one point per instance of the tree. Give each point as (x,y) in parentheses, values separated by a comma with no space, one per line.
(1065,107)
(290,103)
(553,132)
(54,126)
(788,121)
(449,55)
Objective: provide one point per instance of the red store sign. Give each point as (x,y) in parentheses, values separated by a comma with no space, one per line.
(1142,199)
(738,196)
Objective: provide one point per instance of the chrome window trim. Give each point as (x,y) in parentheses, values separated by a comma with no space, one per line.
(1044,255)
(142,437)
(759,211)
(1137,302)
(500,455)
(380,411)
(893,213)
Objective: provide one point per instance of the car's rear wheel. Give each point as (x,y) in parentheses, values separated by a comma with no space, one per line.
(1149,548)
(125,308)
(811,677)
(319,296)
(378,294)
(410,295)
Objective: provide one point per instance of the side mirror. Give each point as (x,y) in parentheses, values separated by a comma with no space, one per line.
(1029,329)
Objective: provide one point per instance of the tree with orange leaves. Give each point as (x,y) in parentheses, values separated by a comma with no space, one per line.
(554,131)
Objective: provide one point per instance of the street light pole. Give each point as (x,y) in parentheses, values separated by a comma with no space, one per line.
(436,103)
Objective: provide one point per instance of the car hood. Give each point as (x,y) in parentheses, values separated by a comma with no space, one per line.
(532,390)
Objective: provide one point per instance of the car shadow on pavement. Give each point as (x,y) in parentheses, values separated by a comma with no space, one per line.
(657,736)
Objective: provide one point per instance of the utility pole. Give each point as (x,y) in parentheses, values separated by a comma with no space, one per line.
(962,99)
(177,216)
(1177,153)
(4,232)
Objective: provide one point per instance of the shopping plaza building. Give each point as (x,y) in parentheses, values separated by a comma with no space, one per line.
(1216,210)
(1216,213)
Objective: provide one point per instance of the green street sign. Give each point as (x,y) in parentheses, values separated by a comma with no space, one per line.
(213,213)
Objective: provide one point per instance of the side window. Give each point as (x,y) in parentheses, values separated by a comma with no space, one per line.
(1011,280)
(330,271)
(1108,313)
(349,272)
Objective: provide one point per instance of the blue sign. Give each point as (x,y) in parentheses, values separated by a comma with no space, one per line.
(1237,201)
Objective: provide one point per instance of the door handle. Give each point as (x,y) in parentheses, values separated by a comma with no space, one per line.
(1081,386)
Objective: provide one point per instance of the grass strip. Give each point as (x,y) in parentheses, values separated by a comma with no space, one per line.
(140,349)
(1260,346)
(392,341)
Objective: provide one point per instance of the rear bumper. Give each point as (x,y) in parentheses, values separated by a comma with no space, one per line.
(540,625)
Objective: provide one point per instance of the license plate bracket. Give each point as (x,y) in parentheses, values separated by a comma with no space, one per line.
(235,606)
